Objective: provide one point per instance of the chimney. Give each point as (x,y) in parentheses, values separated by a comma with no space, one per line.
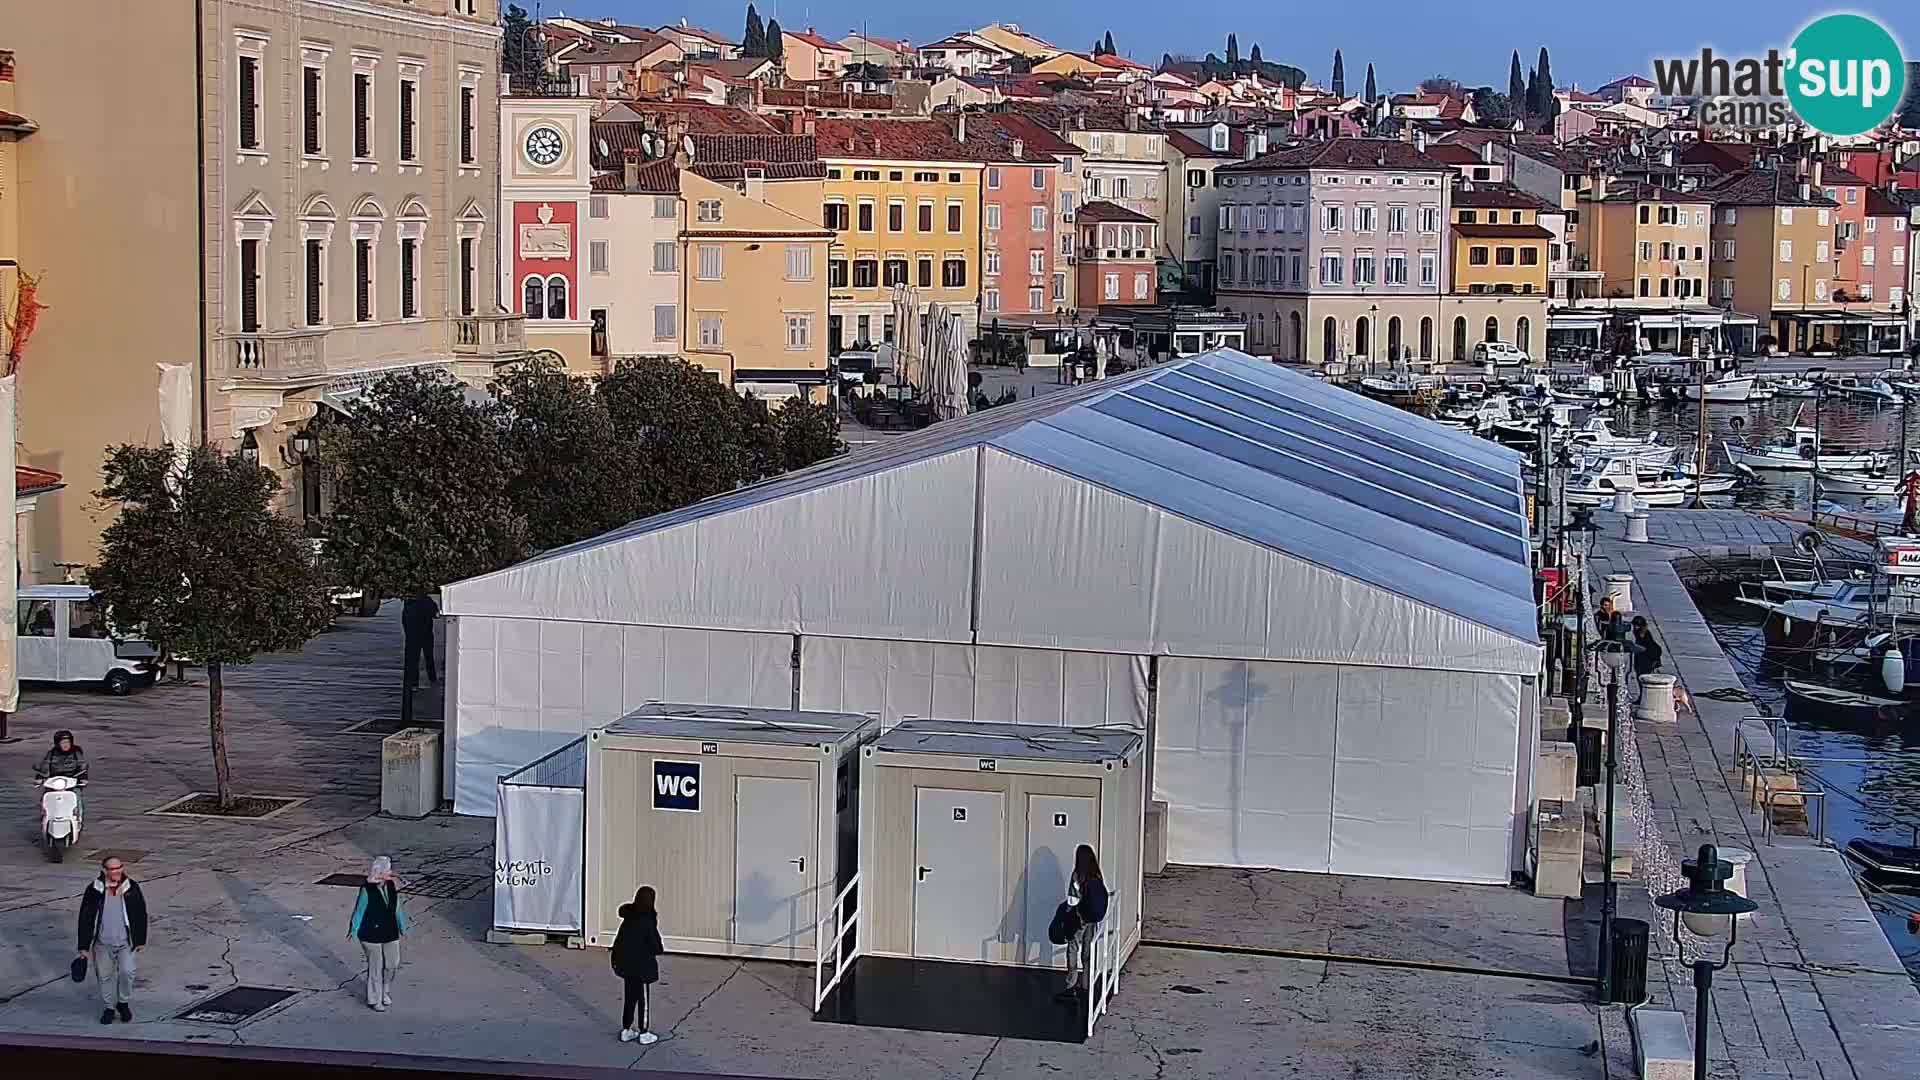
(1250,153)
(1019,148)
(1133,120)
(1420,139)
(1486,151)
(1260,140)
(1819,166)
(960,128)
(1806,191)
(809,128)
(631,171)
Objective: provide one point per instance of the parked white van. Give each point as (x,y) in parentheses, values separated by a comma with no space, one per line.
(1500,354)
(64,637)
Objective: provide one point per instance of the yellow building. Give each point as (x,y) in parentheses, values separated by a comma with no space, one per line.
(1499,245)
(755,279)
(1647,242)
(903,199)
(1773,235)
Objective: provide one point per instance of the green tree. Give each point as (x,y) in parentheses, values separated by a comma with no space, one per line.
(1544,104)
(1339,87)
(690,434)
(1516,85)
(421,480)
(808,433)
(1254,56)
(754,42)
(1233,51)
(558,437)
(1530,101)
(198,559)
(776,41)
(1106,45)
(1372,94)
(521,53)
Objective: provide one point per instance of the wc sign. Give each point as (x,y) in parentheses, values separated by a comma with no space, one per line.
(676,786)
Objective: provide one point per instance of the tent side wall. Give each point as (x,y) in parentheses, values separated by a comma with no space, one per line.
(522,687)
(1122,851)
(1048,687)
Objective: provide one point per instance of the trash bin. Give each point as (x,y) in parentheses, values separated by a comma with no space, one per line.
(1587,743)
(410,773)
(1629,961)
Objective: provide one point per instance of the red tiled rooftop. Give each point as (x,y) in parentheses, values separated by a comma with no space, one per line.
(890,140)
(814,39)
(704,118)
(1344,154)
(28,480)
(1100,210)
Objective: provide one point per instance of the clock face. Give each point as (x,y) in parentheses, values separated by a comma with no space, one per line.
(544,145)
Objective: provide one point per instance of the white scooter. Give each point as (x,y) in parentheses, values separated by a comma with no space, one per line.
(60,815)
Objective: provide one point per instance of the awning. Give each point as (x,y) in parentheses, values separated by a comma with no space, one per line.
(768,391)
(1577,322)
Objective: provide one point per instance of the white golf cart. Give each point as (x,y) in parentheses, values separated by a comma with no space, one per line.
(64,637)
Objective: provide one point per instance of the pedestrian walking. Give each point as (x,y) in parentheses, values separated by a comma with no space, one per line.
(113,928)
(636,959)
(416,627)
(377,924)
(1608,621)
(1087,894)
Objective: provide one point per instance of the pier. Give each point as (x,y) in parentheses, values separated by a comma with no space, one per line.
(1814,989)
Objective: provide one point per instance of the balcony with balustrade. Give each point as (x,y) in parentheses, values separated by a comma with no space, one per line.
(501,334)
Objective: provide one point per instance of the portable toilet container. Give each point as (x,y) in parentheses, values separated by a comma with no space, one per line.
(968,832)
(741,819)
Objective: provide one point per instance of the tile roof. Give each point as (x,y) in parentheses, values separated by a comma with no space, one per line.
(1840,175)
(1882,204)
(1344,154)
(706,35)
(890,140)
(814,39)
(1503,232)
(702,117)
(10,121)
(1640,191)
(719,157)
(1101,210)
(1727,157)
(1454,154)
(1763,187)
(656,178)
(990,137)
(31,481)
(819,98)
(1628,80)
(626,52)
(1090,117)
(1499,196)
(1194,148)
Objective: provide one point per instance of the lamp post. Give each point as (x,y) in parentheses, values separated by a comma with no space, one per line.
(1577,535)
(1614,654)
(1708,906)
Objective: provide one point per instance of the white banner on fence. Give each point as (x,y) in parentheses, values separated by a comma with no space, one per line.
(539,838)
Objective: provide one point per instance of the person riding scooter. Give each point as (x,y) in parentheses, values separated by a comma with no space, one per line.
(65,759)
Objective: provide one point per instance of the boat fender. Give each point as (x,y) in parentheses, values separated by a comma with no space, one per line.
(1893,670)
(1786,624)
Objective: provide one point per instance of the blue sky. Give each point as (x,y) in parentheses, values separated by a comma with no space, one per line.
(1590,43)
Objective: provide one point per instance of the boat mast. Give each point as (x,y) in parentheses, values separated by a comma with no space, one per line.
(1700,452)
(1813,492)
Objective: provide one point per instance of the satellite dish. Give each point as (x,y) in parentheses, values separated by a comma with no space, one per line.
(604,151)
(686,143)
(646,143)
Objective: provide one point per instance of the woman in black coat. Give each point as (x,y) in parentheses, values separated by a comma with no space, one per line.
(636,959)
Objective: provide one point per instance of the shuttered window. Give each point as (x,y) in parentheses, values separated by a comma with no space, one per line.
(249,286)
(249,104)
(466,275)
(316,284)
(407,91)
(409,266)
(363,280)
(466,125)
(362,94)
(311,109)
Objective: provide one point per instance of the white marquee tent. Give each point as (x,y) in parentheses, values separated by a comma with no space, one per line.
(1318,606)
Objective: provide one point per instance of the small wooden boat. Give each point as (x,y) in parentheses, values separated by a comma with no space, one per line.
(1886,862)
(1811,699)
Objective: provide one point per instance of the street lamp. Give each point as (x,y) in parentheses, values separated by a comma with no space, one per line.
(1708,907)
(1577,536)
(1613,653)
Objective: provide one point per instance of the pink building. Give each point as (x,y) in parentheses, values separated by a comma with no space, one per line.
(1117,265)
(1325,124)
(1023,270)
(1882,251)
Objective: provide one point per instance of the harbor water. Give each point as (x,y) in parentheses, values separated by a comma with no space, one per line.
(1873,767)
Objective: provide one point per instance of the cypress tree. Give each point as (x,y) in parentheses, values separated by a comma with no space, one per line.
(755,41)
(1544,104)
(1233,51)
(1339,75)
(1107,46)
(1372,95)
(1254,56)
(776,43)
(1516,88)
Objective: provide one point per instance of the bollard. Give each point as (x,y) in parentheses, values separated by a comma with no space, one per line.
(1623,502)
(1620,591)
(1637,527)
(1738,858)
(1656,699)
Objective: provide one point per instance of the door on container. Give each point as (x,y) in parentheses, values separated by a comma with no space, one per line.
(959,872)
(1056,825)
(773,862)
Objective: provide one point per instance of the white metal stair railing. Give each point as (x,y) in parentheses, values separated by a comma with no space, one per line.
(830,949)
(1103,968)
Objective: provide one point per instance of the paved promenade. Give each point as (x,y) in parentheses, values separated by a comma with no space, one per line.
(1815,990)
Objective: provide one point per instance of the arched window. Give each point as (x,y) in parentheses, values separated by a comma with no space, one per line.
(1329,341)
(536,298)
(1259,327)
(1363,336)
(1296,338)
(1393,339)
(556,297)
(1493,329)
(1426,337)
(1523,334)
(1459,339)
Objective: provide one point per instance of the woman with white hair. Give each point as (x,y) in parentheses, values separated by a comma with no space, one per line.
(377,924)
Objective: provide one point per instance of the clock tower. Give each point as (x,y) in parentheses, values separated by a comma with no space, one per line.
(546,172)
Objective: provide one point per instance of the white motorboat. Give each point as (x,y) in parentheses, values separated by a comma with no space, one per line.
(1879,485)
(1794,450)
(1725,390)
(1876,390)
(1795,388)
(1603,478)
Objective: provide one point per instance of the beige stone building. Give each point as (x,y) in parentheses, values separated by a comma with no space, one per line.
(333,220)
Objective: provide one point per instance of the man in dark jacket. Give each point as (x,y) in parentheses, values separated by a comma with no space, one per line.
(64,759)
(113,926)
(416,622)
